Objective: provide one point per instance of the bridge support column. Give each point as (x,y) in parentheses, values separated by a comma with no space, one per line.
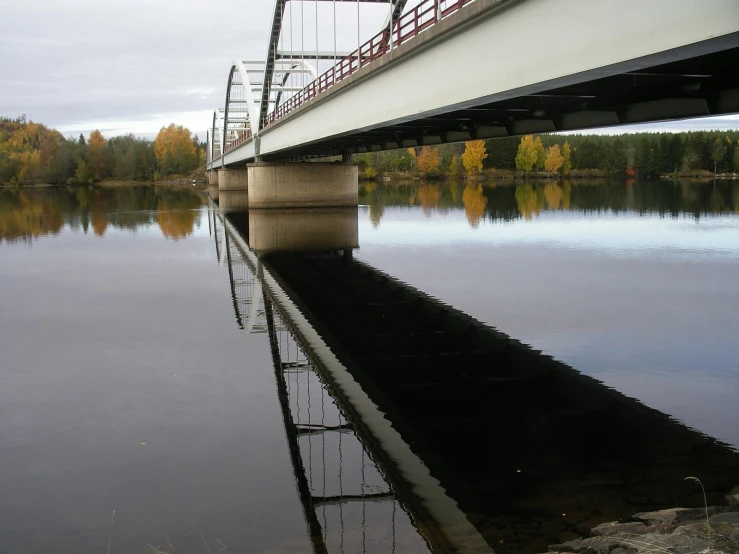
(302,185)
(213,177)
(232,179)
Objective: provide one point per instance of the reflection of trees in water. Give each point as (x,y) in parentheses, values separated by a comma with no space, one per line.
(428,196)
(474,201)
(29,213)
(23,218)
(99,222)
(554,194)
(376,201)
(527,202)
(507,201)
(175,223)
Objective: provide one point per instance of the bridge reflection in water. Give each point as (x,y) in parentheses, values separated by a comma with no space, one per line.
(412,426)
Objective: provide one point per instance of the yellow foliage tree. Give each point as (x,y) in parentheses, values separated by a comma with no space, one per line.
(474,154)
(526,156)
(97,155)
(474,201)
(554,159)
(174,150)
(428,160)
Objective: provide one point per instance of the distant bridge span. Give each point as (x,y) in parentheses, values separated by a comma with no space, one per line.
(469,69)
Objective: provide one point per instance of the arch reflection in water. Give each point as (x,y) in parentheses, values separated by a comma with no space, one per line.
(469,426)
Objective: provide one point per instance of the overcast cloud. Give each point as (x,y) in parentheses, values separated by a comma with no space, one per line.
(136,65)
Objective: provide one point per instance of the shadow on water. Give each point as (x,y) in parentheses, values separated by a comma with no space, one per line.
(473,439)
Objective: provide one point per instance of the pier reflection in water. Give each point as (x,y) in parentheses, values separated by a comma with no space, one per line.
(476,440)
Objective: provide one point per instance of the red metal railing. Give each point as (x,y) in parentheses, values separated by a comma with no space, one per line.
(240,139)
(420,18)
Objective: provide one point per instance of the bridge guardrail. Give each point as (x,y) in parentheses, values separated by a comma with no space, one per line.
(420,18)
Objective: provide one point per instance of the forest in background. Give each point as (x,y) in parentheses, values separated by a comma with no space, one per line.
(31,153)
(646,155)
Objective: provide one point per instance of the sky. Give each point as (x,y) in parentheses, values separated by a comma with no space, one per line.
(134,66)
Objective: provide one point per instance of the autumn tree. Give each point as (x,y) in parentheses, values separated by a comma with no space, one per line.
(540,153)
(526,156)
(554,159)
(97,156)
(174,150)
(427,161)
(566,159)
(473,156)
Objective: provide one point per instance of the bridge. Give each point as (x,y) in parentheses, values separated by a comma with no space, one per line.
(456,70)
(449,430)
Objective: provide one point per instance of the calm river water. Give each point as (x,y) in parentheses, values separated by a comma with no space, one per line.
(448,368)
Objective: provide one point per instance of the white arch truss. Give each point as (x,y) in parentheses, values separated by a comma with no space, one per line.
(241,115)
(216,135)
(274,54)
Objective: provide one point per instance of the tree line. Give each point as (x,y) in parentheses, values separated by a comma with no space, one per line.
(31,153)
(697,153)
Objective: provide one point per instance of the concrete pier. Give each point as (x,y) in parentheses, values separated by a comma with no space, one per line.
(232,179)
(302,185)
(303,230)
(213,178)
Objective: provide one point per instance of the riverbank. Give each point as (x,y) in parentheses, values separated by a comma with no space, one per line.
(488,176)
(713,529)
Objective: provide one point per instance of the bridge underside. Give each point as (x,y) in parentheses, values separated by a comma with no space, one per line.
(706,85)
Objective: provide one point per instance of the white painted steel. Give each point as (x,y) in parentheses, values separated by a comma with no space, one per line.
(250,104)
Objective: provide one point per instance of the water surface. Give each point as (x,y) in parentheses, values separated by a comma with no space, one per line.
(148,368)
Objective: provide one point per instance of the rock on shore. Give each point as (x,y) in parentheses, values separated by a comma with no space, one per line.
(676,530)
